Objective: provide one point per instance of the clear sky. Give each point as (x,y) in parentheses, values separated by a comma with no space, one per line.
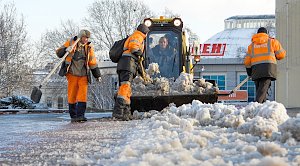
(204,17)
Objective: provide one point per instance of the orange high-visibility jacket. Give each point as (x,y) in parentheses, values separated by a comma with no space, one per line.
(262,56)
(134,43)
(91,60)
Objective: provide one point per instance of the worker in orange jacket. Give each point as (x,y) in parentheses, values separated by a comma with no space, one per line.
(78,64)
(261,62)
(127,69)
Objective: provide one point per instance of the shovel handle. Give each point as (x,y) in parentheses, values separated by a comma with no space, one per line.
(58,64)
(236,88)
(240,84)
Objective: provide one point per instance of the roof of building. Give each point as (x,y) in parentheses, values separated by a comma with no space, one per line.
(240,17)
(236,40)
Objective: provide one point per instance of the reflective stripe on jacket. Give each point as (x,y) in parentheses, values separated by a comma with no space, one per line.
(262,56)
(134,43)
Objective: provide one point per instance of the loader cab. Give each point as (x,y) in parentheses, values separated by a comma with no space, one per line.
(163,45)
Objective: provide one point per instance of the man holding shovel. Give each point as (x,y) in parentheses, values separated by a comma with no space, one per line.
(261,61)
(77,66)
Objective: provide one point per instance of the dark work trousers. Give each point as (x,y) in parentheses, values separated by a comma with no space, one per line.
(125,75)
(262,86)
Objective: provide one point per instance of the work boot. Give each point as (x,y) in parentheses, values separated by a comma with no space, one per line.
(80,110)
(127,113)
(81,119)
(72,112)
(119,109)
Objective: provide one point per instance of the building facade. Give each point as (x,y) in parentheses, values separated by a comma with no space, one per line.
(287,28)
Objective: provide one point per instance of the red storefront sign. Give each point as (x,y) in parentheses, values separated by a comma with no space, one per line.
(210,49)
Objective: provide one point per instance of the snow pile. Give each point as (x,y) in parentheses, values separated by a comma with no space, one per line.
(167,86)
(259,126)
(153,69)
(211,134)
(20,102)
(263,119)
(184,83)
(290,129)
(257,119)
(270,149)
(159,86)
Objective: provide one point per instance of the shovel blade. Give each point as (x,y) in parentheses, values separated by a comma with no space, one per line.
(36,94)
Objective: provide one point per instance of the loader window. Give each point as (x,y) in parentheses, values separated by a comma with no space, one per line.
(163,48)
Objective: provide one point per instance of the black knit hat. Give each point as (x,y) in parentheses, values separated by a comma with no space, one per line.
(262,30)
(143,28)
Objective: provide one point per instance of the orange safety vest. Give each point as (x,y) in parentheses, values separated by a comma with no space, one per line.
(263,50)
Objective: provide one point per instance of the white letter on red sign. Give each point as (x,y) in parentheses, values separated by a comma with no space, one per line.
(216,48)
(206,48)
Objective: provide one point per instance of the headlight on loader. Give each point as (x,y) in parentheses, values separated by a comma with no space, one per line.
(177,22)
(148,23)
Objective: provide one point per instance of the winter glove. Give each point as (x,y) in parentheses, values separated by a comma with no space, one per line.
(249,71)
(69,49)
(96,72)
(99,79)
(137,53)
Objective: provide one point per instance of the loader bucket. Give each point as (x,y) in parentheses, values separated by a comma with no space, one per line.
(147,103)
(36,94)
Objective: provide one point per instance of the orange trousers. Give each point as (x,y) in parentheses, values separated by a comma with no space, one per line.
(125,92)
(77,88)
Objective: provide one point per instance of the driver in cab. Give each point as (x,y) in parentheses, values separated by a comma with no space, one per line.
(165,56)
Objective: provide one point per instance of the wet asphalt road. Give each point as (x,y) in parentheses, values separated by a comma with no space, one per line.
(30,139)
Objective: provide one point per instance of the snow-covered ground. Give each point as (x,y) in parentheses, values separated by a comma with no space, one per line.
(192,134)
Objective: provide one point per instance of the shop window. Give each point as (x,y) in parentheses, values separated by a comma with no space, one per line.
(220,80)
(249,86)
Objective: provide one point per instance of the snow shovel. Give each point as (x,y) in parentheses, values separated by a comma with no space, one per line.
(36,93)
(236,88)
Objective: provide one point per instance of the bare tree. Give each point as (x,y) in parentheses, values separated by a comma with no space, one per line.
(14,68)
(170,14)
(110,20)
(53,39)
(241,53)
(192,36)
(101,94)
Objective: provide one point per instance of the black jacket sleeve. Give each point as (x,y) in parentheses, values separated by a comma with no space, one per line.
(61,52)
(96,72)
